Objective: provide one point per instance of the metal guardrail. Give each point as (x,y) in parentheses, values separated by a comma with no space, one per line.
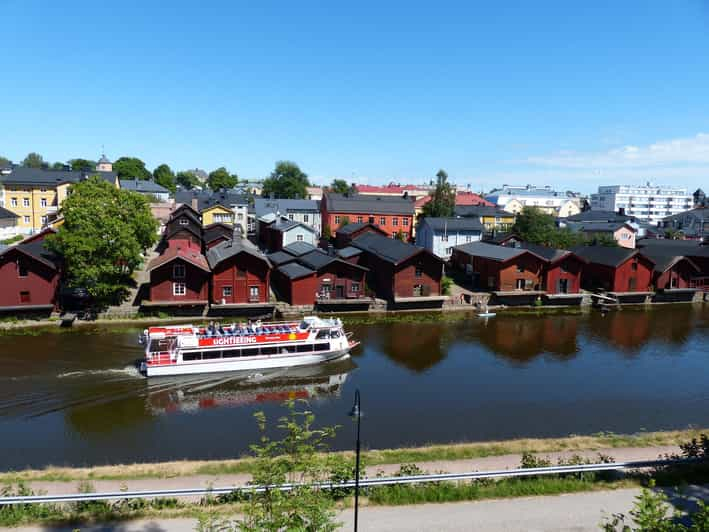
(363,483)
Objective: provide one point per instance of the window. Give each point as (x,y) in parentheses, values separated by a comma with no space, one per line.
(270,350)
(184,221)
(418,272)
(634,266)
(226,291)
(27,219)
(418,290)
(449,251)
(393,235)
(43,202)
(44,221)
(43,189)
(395,221)
(360,219)
(382,220)
(240,216)
(354,287)
(306,218)
(13,202)
(444,238)
(299,238)
(253,293)
(371,219)
(179,289)
(26,202)
(194,355)
(405,221)
(290,216)
(337,220)
(21,269)
(519,284)
(178,271)
(468,238)
(520,269)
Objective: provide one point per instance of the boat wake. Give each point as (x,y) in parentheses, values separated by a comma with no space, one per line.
(129,371)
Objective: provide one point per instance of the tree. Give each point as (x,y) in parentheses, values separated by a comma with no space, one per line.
(443,199)
(104,234)
(164,176)
(221,178)
(34,160)
(533,225)
(286,181)
(400,235)
(130,168)
(82,165)
(186,180)
(340,186)
(4,161)
(58,166)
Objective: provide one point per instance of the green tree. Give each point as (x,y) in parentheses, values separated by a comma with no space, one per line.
(400,235)
(340,186)
(221,178)
(34,160)
(131,168)
(57,166)
(4,161)
(535,226)
(286,181)
(82,165)
(104,234)
(443,198)
(165,177)
(327,232)
(186,180)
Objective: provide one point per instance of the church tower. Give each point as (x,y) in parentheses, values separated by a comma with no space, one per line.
(104,164)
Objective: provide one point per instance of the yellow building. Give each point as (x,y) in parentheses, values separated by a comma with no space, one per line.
(36,194)
(217,214)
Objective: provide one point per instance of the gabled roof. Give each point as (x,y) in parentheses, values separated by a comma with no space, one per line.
(187,210)
(389,249)
(264,206)
(176,228)
(230,248)
(316,259)
(216,230)
(664,260)
(299,248)
(363,203)
(144,186)
(5,214)
(185,253)
(293,270)
(548,253)
(34,247)
(280,257)
(352,228)
(690,248)
(598,216)
(480,210)
(599,227)
(287,225)
(493,252)
(216,206)
(453,224)
(349,252)
(208,198)
(605,255)
(21,175)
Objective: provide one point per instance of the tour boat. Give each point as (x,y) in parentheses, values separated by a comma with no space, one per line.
(184,349)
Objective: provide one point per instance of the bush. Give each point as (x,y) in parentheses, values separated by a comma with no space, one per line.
(446,283)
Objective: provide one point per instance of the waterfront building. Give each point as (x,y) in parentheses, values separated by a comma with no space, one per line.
(295,284)
(694,250)
(146,187)
(441,235)
(29,275)
(304,211)
(240,273)
(671,271)
(615,269)
(179,277)
(647,202)
(337,280)
(514,198)
(393,214)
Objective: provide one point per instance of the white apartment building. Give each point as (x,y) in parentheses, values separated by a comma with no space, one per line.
(513,199)
(650,203)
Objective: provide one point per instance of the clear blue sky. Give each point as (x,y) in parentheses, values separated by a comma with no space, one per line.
(517,92)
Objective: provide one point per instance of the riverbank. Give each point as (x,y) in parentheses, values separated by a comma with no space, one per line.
(642,445)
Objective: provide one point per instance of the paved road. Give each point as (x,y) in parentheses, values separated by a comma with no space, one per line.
(578,512)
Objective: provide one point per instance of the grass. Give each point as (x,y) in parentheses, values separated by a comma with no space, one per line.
(430,453)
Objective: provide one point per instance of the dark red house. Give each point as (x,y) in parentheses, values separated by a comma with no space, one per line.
(399,271)
(29,275)
(184,224)
(179,277)
(671,271)
(615,269)
(216,233)
(296,284)
(347,233)
(241,274)
(337,278)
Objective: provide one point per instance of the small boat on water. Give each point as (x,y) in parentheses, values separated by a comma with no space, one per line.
(184,349)
(487,314)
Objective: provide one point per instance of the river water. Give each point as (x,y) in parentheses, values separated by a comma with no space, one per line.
(75,398)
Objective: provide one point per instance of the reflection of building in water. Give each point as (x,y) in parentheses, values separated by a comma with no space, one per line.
(191,394)
(521,340)
(416,346)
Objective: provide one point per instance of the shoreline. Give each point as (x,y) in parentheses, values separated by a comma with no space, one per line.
(372,457)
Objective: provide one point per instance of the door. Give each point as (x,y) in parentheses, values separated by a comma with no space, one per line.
(418,290)
(519,284)
(632,283)
(325,291)
(340,291)
(563,286)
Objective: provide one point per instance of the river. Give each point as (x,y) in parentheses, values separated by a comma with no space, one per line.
(75,398)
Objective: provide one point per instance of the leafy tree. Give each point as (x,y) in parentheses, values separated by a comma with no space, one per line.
(221,178)
(4,161)
(443,201)
(104,234)
(165,177)
(186,180)
(34,160)
(400,235)
(327,232)
(345,221)
(535,226)
(131,168)
(57,166)
(82,165)
(286,181)
(340,186)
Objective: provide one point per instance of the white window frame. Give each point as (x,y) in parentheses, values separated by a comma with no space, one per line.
(13,202)
(179,288)
(299,238)
(227,291)
(184,221)
(43,202)
(25,202)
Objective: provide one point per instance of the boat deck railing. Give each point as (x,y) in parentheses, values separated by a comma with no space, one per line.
(217,332)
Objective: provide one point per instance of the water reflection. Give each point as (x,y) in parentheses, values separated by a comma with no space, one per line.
(416,346)
(192,394)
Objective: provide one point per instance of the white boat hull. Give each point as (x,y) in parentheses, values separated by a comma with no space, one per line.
(240,364)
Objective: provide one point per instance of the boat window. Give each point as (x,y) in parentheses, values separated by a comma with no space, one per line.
(231,353)
(252,352)
(289,349)
(194,355)
(271,350)
(306,348)
(334,334)
(304,325)
(161,344)
(208,355)
(322,347)
(323,334)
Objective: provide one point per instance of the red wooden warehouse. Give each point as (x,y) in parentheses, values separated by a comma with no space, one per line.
(615,269)
(179,277)
(29,276)
(296,284)
(240,273)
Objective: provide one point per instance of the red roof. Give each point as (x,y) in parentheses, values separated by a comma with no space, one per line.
(461,198)
(391,188)
(181,251)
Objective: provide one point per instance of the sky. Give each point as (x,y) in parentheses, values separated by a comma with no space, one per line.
(568,94)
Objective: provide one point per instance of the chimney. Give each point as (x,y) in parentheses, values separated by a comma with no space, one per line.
(194,204)
(621,211)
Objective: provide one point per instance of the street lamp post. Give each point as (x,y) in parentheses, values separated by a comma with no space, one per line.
(356,412)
